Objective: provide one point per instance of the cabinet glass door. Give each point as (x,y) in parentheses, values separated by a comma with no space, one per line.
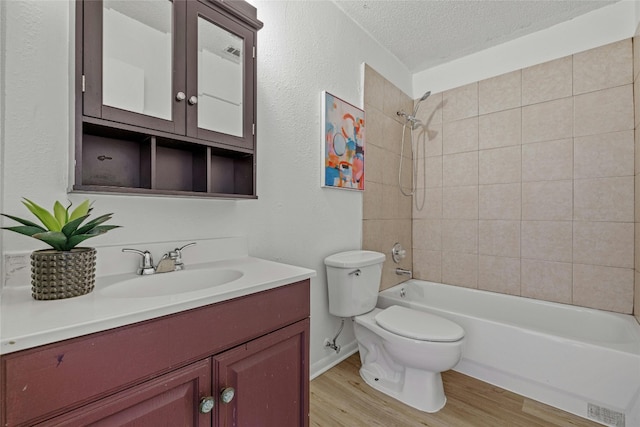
(137,56)
(220,79)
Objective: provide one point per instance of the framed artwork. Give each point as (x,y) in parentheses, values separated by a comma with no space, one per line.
(343,128)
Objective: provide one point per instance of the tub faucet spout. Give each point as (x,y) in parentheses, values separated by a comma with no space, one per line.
(403,272)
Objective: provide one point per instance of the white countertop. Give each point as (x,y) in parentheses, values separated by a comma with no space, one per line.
(28,323)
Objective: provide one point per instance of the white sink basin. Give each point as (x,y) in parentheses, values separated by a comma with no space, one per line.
(173,283)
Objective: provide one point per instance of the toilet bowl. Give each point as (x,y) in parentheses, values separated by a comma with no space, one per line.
(403,351)
(407,368)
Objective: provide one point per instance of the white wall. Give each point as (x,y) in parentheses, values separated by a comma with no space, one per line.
(599,27)
(304,48)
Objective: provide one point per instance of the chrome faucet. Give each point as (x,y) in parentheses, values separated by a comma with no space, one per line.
(146,263)
(403,272)
(176,256)
(171,261)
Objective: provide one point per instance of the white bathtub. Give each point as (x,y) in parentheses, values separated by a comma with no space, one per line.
(581,360)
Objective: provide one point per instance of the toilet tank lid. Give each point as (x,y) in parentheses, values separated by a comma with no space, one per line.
(353,259)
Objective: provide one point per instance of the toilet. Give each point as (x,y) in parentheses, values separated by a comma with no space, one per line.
(403,351)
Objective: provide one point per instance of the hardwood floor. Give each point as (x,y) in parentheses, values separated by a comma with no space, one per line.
(339,397)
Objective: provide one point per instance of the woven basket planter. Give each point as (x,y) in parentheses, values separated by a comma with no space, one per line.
(62,274)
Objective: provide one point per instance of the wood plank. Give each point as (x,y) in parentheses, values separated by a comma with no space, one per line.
(339,397)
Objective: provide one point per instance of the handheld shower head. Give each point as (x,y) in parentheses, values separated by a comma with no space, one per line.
(425,96)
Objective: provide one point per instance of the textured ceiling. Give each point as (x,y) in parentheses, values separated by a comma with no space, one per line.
(426,33)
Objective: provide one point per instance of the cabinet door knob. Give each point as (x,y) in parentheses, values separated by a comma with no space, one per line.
(207,404)
(227,394)
(193,100)
(180,96)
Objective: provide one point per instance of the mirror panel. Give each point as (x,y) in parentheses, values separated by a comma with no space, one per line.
(220,79)
(137,56)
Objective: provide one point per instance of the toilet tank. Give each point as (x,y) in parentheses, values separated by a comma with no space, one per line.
(353,278)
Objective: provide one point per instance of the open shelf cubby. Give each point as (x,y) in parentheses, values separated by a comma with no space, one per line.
(133,161)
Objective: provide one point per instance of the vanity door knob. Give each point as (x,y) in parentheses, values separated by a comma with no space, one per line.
(207,404)
(180,96)
(227,394)
(193,100)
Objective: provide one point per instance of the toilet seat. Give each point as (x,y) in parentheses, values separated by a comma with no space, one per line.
(418,325)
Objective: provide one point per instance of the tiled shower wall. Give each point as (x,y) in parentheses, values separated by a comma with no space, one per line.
(386,212)
(526,182)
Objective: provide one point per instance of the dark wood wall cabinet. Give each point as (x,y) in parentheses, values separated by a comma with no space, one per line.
(166,97)
(243,362)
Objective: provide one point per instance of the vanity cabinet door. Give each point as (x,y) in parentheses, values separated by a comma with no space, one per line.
(172,400)
(269,377)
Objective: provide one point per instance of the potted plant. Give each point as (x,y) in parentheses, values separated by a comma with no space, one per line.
(66,270)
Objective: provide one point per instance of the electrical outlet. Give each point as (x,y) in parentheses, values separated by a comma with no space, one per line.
(17,269)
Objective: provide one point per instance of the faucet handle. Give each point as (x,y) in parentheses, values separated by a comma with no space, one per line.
(176,255)
(146,263)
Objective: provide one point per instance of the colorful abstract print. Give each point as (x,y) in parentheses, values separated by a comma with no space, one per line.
(344,144)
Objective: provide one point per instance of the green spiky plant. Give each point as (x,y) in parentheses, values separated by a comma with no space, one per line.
(61,229)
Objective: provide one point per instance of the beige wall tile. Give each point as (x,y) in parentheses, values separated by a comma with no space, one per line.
(460,169)
(547,200)
(460,202)
(372,200)
(548,81)
(427,265)
(499,238)
(390,200)
(637,197)
(500,93)
(604,199)
(460,136)
(427,234)
(460,269)
(374,126)
(603,67)
(546,280)
(429,200)
(547,240)
(636,246)
(395,100)
(501,129)
(500,165)
(547,161)
(391,135)
(429,172)
(460,235)
(460,103)
(636,54)
(430,110)
(373,88)
(372,234)
(500,201)
(374,161)
(604,155)
(429,140)
(636,297)
(548,121)
(603,243)
(604,111)
(636,102)
(605,288)
(499,274)
(390,169)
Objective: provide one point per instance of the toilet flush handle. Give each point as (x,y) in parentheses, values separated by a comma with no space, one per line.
(355,272)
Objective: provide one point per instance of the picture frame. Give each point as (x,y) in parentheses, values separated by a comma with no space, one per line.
(343,144)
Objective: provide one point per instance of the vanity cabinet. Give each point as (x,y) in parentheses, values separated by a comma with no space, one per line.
(166,97)
(159,372)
